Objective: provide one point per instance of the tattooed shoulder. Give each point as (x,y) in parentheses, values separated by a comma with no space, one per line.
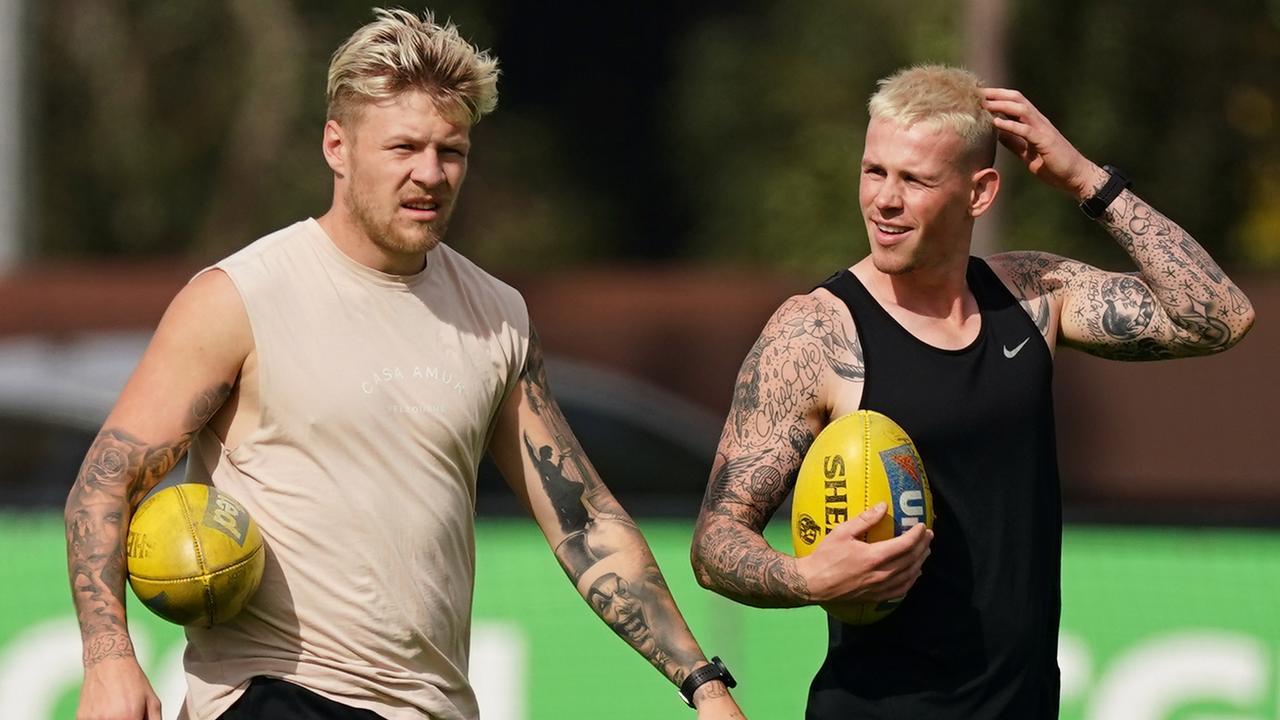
(818,322)
(1037,280)
(808,343)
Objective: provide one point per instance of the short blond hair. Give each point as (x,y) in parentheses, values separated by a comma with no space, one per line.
(941,96)
(400,51)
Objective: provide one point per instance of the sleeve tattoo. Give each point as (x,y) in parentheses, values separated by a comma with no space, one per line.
(118,470)
(765,438)
(603,552)
(1178,304)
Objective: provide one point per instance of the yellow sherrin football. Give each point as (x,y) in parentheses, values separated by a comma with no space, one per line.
(194,554)
(860,459)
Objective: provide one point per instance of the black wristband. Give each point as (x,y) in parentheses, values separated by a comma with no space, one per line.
(705,674)
(1116,183)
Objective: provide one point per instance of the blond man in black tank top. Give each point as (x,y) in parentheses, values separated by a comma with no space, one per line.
(926,175)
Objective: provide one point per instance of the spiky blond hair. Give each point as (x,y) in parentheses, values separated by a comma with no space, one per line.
(941,96)
(400,51)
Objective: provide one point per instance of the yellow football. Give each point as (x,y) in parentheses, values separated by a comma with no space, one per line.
(860,459)
(194,554)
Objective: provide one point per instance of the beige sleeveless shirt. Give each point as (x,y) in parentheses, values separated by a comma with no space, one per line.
(378,395)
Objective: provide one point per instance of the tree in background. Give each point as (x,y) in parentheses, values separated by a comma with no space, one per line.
(193,128)
(768,117)
(1184,95)
(721,132)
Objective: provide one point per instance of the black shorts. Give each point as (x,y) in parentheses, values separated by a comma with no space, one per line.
(272,699)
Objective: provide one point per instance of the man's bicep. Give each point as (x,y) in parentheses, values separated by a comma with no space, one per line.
(541,459)
(520,410)
(805,353)
(188,369)
(184,376)
(1115,315)
(779,402)
(517,437)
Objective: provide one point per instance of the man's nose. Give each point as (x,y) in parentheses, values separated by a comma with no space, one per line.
(889,195)
(428,171)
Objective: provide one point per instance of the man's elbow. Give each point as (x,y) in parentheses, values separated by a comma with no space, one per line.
(1215,332)
(1237,327)
(699,561)
(1246,323)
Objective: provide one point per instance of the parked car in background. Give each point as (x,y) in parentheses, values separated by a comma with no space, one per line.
(652,448)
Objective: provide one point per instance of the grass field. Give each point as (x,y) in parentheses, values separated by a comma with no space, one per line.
(1157,625)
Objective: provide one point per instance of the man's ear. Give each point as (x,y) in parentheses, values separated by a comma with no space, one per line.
(336,146)
(986,184)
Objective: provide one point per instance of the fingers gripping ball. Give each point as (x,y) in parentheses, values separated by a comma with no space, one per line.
(194,554)
(860,459)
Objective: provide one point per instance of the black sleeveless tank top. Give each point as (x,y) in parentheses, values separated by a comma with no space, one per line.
(976,637)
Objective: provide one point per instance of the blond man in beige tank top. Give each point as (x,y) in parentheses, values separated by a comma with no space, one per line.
(342,378)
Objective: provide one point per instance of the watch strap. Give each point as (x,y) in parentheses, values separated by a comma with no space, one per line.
(1116,183)
(705,674)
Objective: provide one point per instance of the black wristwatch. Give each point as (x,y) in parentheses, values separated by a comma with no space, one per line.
(715,671)
(1111,189)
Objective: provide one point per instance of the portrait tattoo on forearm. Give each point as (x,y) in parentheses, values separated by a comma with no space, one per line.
(602,551)
(625,607)
(118,470)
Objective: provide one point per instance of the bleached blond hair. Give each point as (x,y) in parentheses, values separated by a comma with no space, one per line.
(940,96)
(400,51)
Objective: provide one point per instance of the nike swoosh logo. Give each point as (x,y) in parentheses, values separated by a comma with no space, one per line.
(1010,353)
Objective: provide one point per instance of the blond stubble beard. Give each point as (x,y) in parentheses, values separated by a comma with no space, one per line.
(384,235)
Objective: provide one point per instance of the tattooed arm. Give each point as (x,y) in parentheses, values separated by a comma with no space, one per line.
(597,543)
(1178,304)
(806,361)
(184,377)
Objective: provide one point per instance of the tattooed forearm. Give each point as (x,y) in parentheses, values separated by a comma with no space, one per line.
(117,472)
(729,554)
(632,598)
(739,564)
(572,463)
(608,559)
(601,550)
(1206,312)
(804,349)
(1178,304)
